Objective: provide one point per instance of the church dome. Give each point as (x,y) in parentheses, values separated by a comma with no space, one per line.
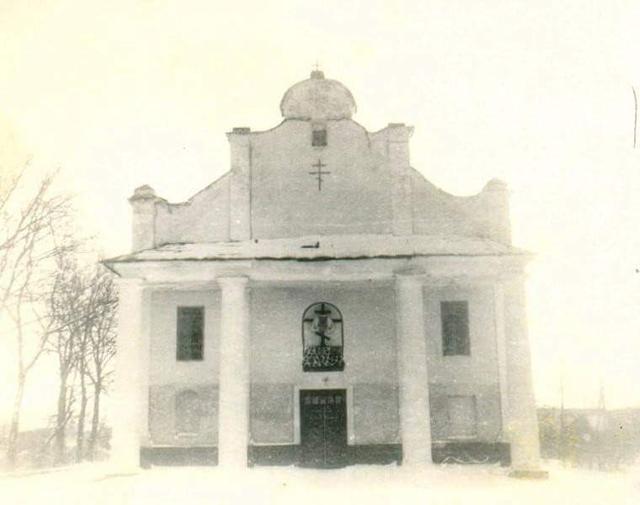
(318,98)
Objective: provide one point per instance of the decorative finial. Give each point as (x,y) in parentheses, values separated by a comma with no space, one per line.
(316,73)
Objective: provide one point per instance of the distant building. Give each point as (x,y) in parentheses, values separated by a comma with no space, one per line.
(323,304)
(594,438)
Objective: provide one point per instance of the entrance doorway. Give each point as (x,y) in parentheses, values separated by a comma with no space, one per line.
(323,428)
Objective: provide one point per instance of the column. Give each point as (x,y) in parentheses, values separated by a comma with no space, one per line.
(233,422)
(130,409)
(415,418)
(501,354)
(522,426)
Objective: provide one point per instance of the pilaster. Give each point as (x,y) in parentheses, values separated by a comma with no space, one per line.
(398,156)
(240,184)
(496,198)
(143,218)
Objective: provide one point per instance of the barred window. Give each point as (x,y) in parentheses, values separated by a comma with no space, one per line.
(455,328)
(190,333)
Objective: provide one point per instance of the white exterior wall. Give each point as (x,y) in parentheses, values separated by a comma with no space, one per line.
(204,218)
(369,376)
(164,368)
(276,333)
(169,377)
(371,189)
(481,365)
(285,199)
(476,375)
(370,352)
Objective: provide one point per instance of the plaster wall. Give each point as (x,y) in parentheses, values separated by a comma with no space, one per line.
(204,218)
(370,374)
(168,377)
(285,198)
(275,195)
(164,368)
(474,375)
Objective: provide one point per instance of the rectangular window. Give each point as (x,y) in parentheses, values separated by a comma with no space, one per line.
(319,138)
(462,421)
(190,333)
(455,328)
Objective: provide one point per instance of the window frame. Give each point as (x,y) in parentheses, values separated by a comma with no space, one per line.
(179,346)
(458,348)
(323,140)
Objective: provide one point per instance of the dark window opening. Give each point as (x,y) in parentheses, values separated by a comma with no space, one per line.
(190,333)
(455,328)
(322,339)
(319,138)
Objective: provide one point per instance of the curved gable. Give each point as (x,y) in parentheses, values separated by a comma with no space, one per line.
(300,189)
(436,212)
(203,218)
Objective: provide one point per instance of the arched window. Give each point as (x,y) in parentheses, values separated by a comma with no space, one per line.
(322,338)
(187,411)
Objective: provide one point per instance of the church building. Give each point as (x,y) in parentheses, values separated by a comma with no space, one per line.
(322,304)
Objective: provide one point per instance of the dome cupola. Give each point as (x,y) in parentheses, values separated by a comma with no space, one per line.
(318,98)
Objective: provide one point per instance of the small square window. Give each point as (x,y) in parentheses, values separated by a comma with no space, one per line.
(455,328)
(319,138)
(190,333)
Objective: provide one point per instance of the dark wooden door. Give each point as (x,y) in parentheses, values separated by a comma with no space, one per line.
(323,428)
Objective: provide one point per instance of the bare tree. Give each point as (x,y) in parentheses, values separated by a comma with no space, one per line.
(101,346)
(30,221)
(96,347)
(66,309)
(83,305)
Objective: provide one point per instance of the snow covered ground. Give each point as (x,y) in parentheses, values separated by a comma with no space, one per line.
(94,484)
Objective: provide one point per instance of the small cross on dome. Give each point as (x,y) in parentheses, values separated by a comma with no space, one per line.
(316,73)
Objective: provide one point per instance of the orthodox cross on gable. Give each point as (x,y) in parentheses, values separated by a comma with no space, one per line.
(319,173)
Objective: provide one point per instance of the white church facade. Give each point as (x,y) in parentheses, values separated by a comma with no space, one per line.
(322,304)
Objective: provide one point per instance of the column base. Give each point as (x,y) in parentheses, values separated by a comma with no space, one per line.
(529,474)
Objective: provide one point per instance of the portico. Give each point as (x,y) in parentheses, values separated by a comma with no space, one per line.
(406,281)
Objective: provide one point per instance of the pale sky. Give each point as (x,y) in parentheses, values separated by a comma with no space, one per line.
(122,93)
